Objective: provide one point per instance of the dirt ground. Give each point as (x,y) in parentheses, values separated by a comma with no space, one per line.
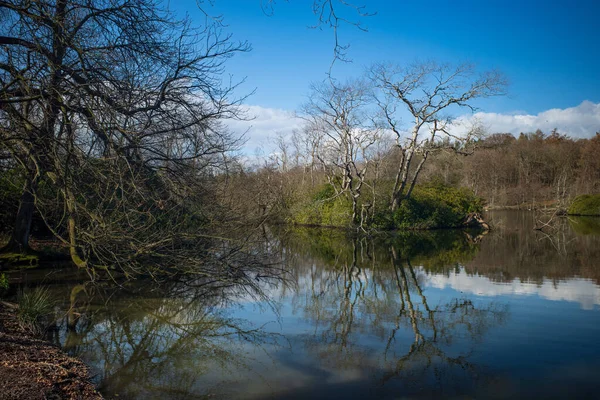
(31,368)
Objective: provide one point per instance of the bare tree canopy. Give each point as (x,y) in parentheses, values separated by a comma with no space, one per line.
(355,140)
(111,117)
(339,116)
(112,109)
(431,92)
(333,14)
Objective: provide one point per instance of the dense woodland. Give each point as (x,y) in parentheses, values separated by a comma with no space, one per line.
(535,168)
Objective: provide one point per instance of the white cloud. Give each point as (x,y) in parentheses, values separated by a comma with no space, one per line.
(579,290)
(264,126)
(582,121)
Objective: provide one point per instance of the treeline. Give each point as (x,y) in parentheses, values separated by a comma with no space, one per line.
(498,170)
(532,170)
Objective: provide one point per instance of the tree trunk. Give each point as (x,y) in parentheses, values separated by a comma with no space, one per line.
(19,241)
(398,193)
(416,176)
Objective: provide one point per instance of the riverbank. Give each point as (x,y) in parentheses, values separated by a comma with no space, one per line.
(544,206)
(31,368)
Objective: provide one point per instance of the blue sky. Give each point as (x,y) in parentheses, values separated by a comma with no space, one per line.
(549,50)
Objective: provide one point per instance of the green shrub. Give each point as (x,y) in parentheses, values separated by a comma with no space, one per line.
(325,193)
(434,205)
(306,214)
(431,206)
(324,209)
(337,212)
(586,204)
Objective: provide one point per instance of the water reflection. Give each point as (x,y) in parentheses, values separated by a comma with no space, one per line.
(168,344)
(517,252)
(585,225)
(513,314)
(372,318)
(582,291)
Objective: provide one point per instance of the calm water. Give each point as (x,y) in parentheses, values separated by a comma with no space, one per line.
(513,314)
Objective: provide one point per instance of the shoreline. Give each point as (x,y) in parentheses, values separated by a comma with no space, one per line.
(522,207)
(33,368)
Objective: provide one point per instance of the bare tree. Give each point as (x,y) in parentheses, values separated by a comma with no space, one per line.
(115,106)
(430,92)
(339,115)
(307,143)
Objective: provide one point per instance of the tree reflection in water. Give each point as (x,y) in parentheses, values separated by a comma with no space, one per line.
(172,344)
(371,314)
(364,317)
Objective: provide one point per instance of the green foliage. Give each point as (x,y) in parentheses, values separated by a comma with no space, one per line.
(586,204)
(323,209)
(325,193)
(431,206)
(34,306)
(434,205)
(337,212)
